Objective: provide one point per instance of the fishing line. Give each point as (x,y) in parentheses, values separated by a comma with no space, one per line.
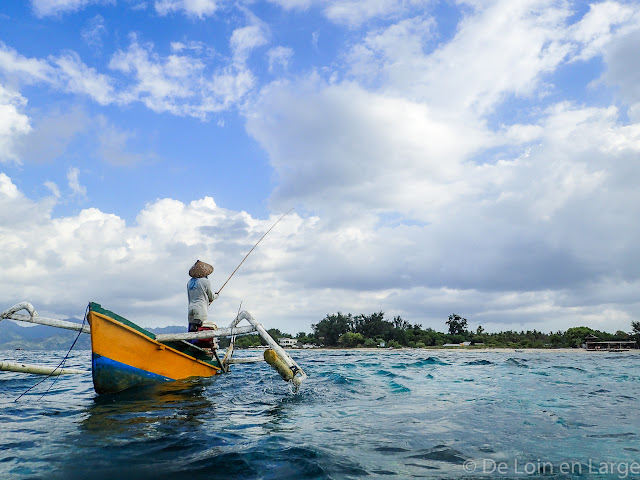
(60,365)
(233,337)
(245,257)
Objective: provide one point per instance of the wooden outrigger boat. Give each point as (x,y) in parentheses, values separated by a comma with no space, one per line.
(124,355)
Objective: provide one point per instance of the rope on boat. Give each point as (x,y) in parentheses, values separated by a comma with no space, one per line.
(62,362)
(232,343)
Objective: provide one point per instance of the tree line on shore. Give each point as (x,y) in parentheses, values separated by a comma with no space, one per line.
(350,331)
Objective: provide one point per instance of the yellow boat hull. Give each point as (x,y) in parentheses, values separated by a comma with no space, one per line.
(125,355)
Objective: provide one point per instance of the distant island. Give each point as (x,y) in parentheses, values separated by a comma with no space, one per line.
(41,337)
(340,330)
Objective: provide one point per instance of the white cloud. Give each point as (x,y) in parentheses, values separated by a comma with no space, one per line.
(73,177)
(422,203)
(356,12)
(175,83)
(94,31)
(81,79)
(14,124)
(17,214)
(178,83)
(53,188)
(198,48)
(622,69)
(524,44)
(499,268)
(227,87)
(7,189)
(280,56)
(17,67)
(408,211)
(66,72)
(161,83)
(69,250)
(244,40)
(476,71)
(44,8)
(344,149)
(196,8)
(292,4)
(604,22)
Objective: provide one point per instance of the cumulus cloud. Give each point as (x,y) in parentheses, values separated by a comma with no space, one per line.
(528,228)
(14,124)
(622,69)
(344,148)
(309,265)
(420,195)
(415,201)
(97,256)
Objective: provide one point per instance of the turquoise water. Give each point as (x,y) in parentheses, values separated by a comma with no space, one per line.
(378,414)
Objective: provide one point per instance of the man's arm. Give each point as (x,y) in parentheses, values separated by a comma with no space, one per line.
(212,296)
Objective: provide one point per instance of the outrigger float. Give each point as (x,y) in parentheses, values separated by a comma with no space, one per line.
(125,355)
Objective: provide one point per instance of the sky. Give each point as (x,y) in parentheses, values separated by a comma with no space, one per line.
(477,157)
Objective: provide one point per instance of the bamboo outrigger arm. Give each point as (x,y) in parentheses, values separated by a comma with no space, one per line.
(33,317)
(287,367)
(220,332)
(38,369)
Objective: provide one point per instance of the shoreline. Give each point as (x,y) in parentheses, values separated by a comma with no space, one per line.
(462,349)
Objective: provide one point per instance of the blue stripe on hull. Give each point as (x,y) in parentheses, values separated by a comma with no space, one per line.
(110,376)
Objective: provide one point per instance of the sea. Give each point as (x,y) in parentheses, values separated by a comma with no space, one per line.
(396,414)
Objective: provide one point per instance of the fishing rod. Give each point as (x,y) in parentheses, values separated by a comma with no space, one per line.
(245,257)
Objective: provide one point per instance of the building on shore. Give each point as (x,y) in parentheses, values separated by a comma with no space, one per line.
(593,343)
(288,342)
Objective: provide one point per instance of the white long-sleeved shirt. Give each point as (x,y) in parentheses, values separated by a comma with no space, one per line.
(200,296)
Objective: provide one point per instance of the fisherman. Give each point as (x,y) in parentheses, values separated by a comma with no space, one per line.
(200,294)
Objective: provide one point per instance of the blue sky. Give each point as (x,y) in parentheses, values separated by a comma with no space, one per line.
(476,157)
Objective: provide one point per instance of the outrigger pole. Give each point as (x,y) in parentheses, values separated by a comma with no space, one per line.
(33,317)
(37,369)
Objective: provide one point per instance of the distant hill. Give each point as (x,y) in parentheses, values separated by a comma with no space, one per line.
(42,337)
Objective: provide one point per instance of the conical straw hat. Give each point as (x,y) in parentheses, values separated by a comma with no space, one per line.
(200,269)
